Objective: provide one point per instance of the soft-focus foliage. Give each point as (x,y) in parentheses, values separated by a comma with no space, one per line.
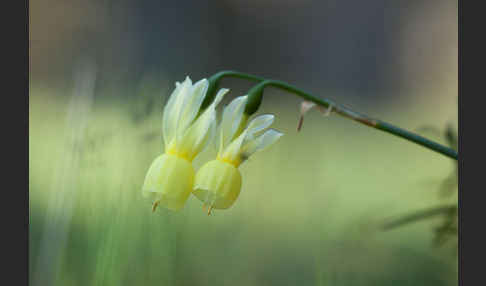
(447,231)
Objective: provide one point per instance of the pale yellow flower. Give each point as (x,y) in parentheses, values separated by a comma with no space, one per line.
(186,130)
(218,182)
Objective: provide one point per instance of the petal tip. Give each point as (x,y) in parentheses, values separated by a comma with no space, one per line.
(188,80)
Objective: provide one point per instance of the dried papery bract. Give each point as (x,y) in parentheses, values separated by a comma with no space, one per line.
(305,106)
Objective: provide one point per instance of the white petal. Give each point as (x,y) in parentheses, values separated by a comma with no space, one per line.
(261,142)
(219,96)
(200,132)
(231,120)
(232,152)
(168,127)
(259,123)
(211,134)
(173,109)
(192,106)
(181,104)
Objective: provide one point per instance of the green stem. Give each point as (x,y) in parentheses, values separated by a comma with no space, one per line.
(343,111)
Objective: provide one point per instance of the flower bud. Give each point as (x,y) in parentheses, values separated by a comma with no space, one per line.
(255,95)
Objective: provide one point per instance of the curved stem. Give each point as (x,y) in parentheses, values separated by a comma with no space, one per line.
(344,111)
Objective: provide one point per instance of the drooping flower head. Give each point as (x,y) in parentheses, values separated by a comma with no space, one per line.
(186,130)
(218,182)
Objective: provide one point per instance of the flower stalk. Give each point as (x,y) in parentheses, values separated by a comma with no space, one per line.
(256,93)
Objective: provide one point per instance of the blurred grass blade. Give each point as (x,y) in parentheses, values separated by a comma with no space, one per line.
(418,216)
(61,201)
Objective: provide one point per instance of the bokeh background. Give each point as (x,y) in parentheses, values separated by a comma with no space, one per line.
(312,206)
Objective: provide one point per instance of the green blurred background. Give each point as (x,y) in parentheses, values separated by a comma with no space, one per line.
(312,206)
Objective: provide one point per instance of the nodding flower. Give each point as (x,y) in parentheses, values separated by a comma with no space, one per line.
(186,130)
(218,182)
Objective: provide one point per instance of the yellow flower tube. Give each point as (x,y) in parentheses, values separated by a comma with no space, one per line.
(186,132)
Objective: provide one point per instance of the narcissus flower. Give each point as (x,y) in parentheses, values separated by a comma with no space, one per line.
(186,131)
(218,182)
